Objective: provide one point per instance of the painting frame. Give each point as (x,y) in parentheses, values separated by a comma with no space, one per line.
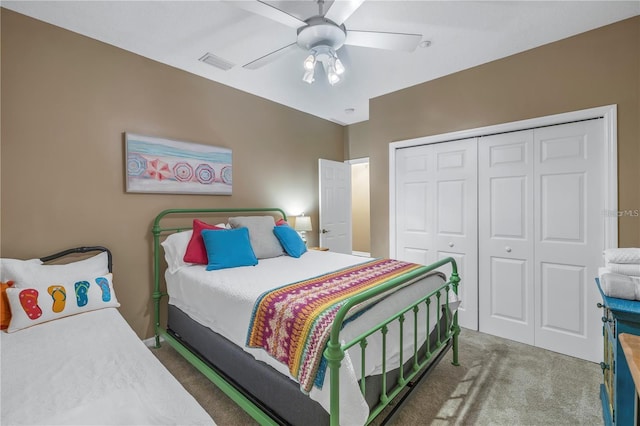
(155,165)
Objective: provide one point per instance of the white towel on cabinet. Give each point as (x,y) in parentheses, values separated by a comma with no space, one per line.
(624,268)
(622,255)
(619,285)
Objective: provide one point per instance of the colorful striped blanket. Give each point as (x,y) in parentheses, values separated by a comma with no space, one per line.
(293,322)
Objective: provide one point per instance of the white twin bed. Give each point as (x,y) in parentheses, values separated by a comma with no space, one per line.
(88,368)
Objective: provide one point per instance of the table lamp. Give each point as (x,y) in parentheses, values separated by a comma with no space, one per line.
(302,225)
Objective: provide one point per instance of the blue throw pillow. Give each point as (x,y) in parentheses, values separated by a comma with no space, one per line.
(228,248)
(290,240)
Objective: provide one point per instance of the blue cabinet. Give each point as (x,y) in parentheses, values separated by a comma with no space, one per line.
(617,391)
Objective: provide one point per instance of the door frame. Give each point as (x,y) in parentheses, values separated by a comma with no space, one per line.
(608,113)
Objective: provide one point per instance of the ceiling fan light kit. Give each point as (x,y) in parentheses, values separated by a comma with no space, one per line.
(322,37)
(323,34)
(333,67)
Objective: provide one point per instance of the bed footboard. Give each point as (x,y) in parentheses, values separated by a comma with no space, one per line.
(335,351)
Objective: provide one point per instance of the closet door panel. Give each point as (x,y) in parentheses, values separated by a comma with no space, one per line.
(569,237)
(414,205)
(562,298)
(436,211)
(450,208)
(508,197)
(508,287)
(562,207)
(456,223)
(505,235)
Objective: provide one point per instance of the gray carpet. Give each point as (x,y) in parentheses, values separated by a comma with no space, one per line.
(499,382)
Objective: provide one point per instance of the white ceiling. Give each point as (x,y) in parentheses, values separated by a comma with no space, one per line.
(463,34)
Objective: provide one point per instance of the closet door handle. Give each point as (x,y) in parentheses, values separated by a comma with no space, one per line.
(507,249)
(450,243)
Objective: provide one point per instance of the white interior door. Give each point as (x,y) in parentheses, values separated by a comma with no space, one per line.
(335,205)
(505,215)
(569,237)
(436,205)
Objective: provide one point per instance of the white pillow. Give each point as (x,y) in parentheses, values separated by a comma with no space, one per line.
(8,267)
(30,274)
(175,245)
(31,306)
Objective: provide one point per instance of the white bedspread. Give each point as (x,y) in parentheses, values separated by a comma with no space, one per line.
(89,369)
(223,300)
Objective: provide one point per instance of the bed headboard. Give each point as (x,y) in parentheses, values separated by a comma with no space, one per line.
(80,250)
(183,214)
(195,213)
(159,230)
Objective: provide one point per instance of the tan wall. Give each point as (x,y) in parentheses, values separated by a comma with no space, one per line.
(66,101)
(360,212)
(597,68)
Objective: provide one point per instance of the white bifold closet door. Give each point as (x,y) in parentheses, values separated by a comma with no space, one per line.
(505,212)
(541,210)
(569,237)
(436,205)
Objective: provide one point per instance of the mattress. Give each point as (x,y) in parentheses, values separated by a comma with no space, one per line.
(273,392)
(89,369)
(223,301)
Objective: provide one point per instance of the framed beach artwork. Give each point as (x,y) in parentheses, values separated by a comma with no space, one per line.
(156,165)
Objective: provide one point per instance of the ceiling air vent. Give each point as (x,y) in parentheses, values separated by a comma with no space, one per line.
(217,62)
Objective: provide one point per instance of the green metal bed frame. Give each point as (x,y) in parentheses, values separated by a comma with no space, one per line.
(446,336)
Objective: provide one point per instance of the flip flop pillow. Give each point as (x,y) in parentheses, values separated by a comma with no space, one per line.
(31,306)
(33,274)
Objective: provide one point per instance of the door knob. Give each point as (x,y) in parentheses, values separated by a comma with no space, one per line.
(450,243)
(507,249)
(324,231)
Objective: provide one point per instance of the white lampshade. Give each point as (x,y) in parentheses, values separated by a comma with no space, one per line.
(303,223)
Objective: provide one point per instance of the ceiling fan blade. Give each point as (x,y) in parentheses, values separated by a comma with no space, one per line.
(387,41)
(270,57)
(268,11)
(340,10)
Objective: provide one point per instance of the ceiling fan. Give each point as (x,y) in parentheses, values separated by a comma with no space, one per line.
(323,34)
